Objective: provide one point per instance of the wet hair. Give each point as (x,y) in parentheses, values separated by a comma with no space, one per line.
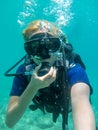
(43,26)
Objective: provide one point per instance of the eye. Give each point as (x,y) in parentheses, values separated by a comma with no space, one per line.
(35,44)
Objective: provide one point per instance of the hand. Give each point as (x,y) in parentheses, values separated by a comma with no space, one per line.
(43,81)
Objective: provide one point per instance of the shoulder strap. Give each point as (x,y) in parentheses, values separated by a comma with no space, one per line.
(73,56)
(78,59)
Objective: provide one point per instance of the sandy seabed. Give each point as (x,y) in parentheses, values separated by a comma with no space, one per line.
(32,120)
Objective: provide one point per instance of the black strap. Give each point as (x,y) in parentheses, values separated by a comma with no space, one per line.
(14,74)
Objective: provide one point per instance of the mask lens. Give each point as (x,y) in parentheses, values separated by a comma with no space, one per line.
(32,46)
(52,44)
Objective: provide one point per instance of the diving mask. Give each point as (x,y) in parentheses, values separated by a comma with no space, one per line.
(42,43)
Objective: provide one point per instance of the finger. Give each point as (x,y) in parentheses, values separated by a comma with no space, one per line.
(36,69)
(54,73)
(53,77)
(49,74)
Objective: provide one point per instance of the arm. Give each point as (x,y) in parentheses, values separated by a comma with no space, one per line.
(18,104)
(83,115)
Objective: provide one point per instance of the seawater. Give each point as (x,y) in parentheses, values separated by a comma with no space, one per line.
(78,19)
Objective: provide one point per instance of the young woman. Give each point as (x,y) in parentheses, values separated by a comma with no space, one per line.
(43,43)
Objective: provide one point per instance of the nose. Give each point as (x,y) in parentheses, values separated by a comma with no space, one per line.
(43,52)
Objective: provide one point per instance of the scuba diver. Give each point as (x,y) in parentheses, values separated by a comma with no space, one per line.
(53,77)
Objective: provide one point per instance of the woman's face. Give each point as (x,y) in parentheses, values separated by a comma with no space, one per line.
(38,59)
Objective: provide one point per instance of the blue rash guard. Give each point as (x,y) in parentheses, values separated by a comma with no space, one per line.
(76,74)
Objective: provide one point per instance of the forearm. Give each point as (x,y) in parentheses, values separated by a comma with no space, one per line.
(81,107)
(18,107)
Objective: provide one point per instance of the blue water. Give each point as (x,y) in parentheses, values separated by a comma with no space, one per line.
(78,19)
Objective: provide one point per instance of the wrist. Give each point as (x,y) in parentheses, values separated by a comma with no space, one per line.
(33,86)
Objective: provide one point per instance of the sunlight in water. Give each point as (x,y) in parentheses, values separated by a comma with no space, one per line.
(27,12)
(59,10)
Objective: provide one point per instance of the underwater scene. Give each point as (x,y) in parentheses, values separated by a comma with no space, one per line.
(79,21)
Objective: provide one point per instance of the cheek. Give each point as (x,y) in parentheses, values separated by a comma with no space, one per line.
(36,61)
(53,56)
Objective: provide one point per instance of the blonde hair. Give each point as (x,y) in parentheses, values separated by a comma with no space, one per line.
(41,25)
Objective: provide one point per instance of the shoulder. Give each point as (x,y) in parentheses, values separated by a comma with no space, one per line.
(21,68)
(20,82)
(77,74)
(21,78)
